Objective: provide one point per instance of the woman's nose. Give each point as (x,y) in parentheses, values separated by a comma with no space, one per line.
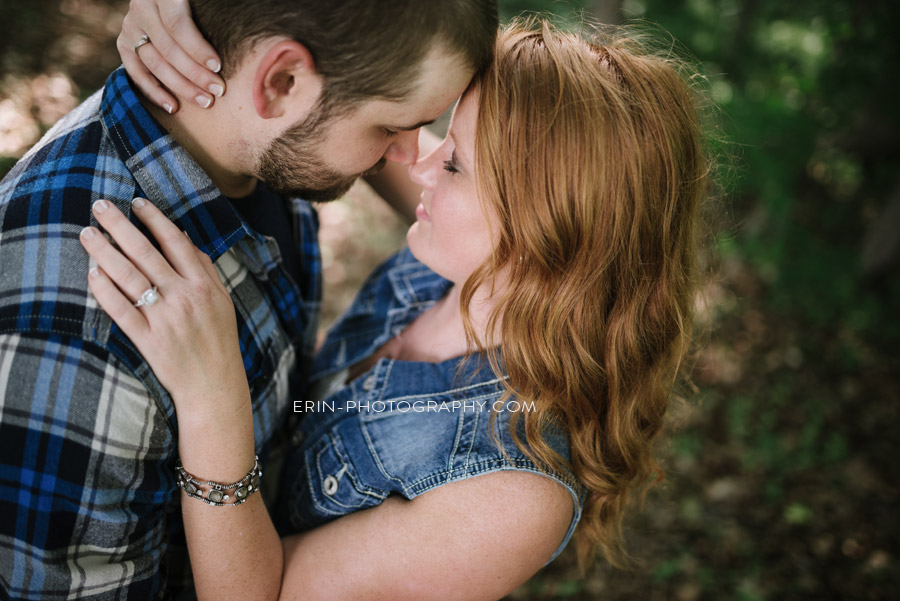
(404,148)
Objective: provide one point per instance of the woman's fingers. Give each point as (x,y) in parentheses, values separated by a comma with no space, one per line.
(143,79)
(119,269)
(207,264)
(176,56)
(177,247)
(176,16)
(118,307)
(134,244)
(162,69)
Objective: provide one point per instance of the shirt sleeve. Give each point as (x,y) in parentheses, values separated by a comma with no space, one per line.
(83,484)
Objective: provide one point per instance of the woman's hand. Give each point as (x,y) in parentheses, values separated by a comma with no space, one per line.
(177,56)
(189,336)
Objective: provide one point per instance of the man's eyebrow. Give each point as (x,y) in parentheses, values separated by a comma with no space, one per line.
(416,126)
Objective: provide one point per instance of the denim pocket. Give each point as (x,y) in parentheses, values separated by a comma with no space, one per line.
(411,445)
(334,479)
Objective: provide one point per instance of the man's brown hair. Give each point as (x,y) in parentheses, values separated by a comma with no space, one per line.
(362,48)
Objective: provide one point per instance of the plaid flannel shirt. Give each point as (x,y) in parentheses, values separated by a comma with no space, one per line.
(88,503)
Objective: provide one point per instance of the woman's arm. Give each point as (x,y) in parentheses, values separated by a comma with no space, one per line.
(473,539)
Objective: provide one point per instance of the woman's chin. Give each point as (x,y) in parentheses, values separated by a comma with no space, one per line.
(417,246)
(412,240)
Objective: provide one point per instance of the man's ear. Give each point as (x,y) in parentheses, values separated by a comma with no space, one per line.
(285,78)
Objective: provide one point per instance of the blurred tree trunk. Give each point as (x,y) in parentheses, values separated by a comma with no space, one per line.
(606,11)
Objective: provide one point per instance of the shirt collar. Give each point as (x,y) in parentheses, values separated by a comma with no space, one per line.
(166,174)
(414,283)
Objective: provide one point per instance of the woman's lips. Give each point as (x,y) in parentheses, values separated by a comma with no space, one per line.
(421,213)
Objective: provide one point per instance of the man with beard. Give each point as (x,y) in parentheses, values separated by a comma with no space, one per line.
(319,94)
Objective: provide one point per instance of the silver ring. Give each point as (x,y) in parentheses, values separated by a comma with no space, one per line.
(149,297)
(145,39)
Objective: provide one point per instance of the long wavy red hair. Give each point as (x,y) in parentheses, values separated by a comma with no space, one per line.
(589,151)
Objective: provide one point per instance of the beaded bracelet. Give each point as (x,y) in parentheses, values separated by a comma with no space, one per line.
(216,494)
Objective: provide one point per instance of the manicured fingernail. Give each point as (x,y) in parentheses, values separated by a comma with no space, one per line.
(88,233)
(94,272)
(213,65)
(100,206)
(216,89)
(203,100)
(168,107)
(137,203)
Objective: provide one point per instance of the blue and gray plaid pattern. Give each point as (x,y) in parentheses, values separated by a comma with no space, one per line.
(88,436)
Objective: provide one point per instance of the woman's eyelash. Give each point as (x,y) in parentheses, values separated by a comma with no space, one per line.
(450,167)
(389,132)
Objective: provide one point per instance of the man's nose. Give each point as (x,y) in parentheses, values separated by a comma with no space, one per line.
(422,171)
(404,148)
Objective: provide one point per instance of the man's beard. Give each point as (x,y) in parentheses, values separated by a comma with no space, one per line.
(291,165)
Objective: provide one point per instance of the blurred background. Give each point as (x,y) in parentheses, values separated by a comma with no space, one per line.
(782,477)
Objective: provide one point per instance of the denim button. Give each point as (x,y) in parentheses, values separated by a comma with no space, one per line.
(369,383)
(331,485)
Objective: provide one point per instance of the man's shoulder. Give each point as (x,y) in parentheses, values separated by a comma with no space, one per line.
(45,201)
(59,146)
(74,159)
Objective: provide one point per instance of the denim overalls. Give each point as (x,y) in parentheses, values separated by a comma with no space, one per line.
(403,427)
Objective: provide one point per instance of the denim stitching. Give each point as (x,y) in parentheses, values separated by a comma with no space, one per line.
(376,458)
(460,422)
(345,468)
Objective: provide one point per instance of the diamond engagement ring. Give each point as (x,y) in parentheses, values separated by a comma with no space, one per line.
(149,297)
(145,39)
